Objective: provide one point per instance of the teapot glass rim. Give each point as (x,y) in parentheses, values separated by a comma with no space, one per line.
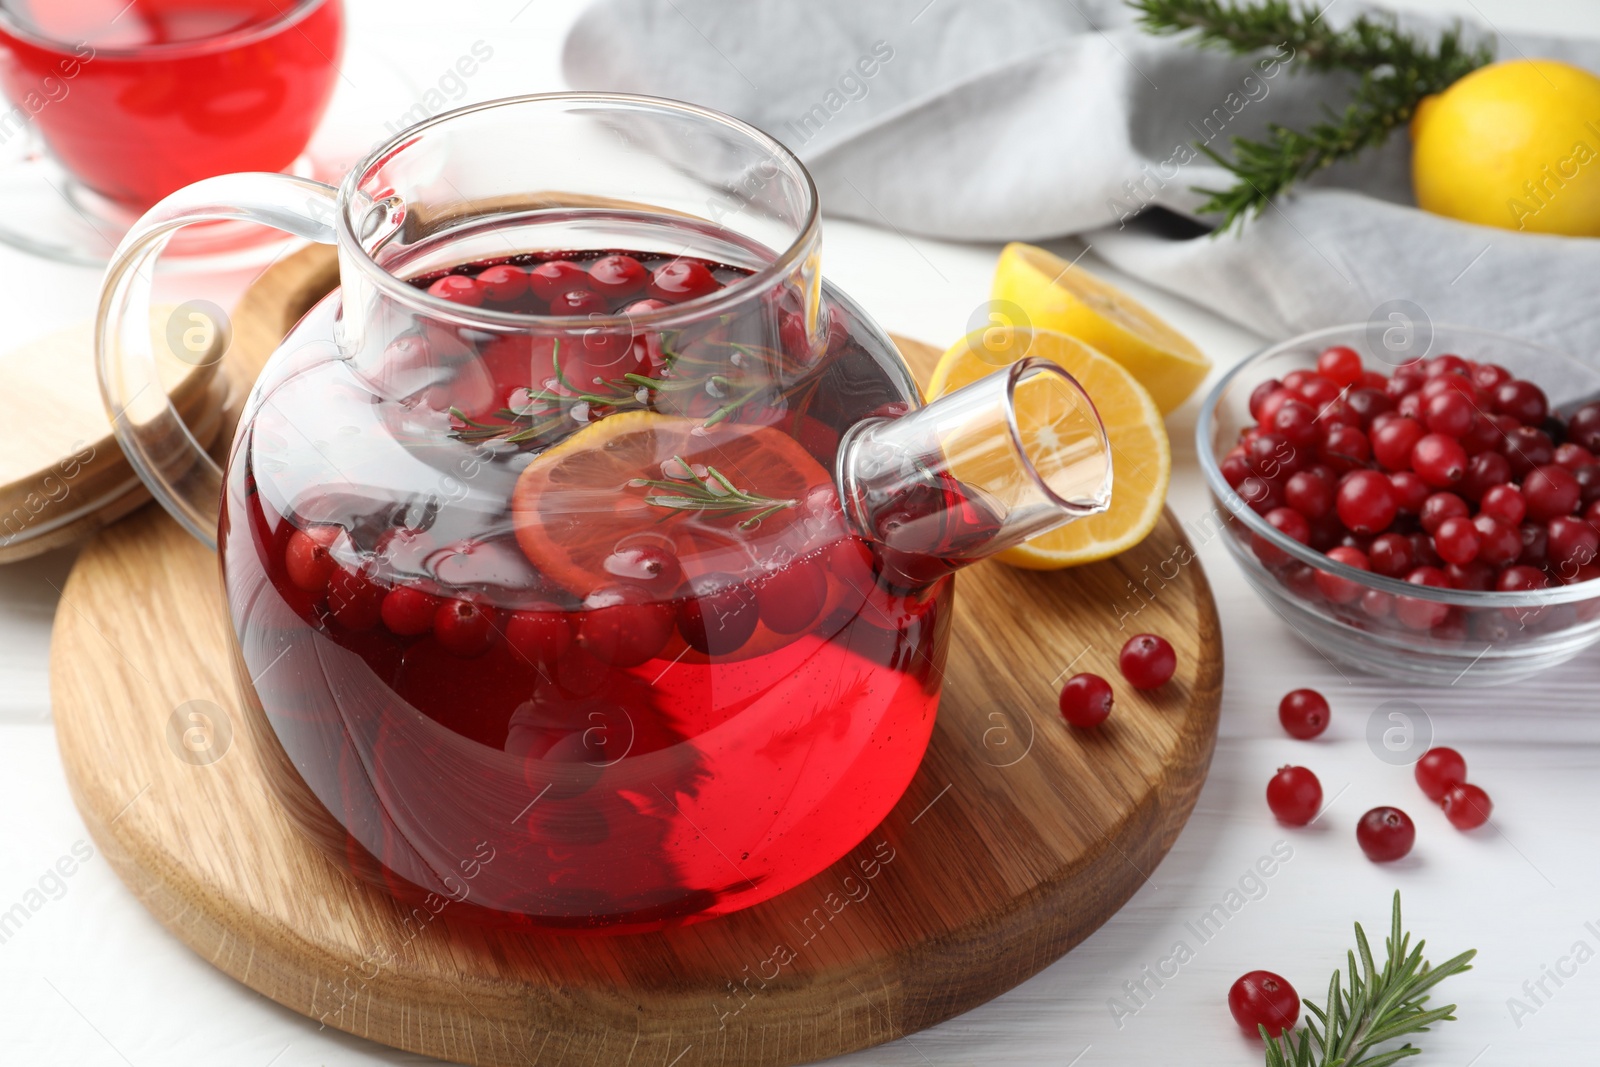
(397,288)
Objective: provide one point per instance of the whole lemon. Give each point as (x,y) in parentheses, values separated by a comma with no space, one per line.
(1514,145)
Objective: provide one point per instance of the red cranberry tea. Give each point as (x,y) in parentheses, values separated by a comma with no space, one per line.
(573,626)
(140,98)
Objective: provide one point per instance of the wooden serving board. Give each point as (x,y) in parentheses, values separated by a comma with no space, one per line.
(1018,837)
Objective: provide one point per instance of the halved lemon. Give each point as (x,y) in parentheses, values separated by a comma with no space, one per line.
(1057,295)
(1141,459)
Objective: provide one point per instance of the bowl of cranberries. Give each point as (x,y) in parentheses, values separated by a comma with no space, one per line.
(1433,518)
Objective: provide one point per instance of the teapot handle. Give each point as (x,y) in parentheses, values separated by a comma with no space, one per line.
(163,452)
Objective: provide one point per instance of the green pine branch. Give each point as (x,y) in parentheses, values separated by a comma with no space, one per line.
(1397,71)
(1370,1008)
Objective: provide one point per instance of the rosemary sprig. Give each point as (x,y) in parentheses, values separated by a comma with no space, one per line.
(1397,71)
(686,490)
(1375,1008)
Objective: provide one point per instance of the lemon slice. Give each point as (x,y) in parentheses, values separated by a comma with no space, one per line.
(1055,295)
(1141,459)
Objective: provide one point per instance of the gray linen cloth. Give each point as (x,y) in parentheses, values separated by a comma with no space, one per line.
(1031,119)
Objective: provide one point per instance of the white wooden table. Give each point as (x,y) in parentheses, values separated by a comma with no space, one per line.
(88,978)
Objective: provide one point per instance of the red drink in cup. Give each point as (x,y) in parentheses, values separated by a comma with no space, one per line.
(138,99)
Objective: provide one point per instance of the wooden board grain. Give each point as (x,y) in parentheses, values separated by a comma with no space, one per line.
(1017,838)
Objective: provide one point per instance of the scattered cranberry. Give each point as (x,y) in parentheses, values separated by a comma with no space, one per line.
(1262,999)
(1385,834)
(1304,713)
(1086,700)
(1147,661)
(464,627)
(1466,806)
(1438,770)
(1294,795)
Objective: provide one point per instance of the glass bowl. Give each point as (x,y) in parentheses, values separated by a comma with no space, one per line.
(1412,632)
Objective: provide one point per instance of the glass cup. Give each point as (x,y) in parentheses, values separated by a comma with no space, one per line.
(115,104)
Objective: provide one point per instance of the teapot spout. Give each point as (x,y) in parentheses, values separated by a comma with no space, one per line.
(1008,457)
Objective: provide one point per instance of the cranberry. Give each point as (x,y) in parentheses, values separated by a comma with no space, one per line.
(790,599)
(1376,604)
(1304,713)
(1440,507)
(1521,578)
(1324,396)
(1448,412)
(1484,471)
(1288,522)
(1294,795)
(1475,575)
(1260,494)
(464,627)
(1526,448)
(1456,540)
(1346,443)
(1535,544)
(540,632)
(504,282)
(1505,503)
(719,615)
(682,279)
(1338,589)
(306,559)
(550,280)
(1417,614)
(1390,555)
(1439,460)
(1393,441)
(1484,436)
(1487,376)
(1365,502)
(1498,542)
(1443,364)
(408,611)
(1466,806)
(1340,365)
(1438,770)
(1085,700)
(1271,402)
(1309,493)
(1410,406)
(1235,467)
(1588,477)
(1584,427)
(1572,543)
(644,307)
(649,565)
(1450,383)
(1147,661)
(623,625)
(1368,404)
(354,599)
(1272,456)
(1574,457)
(1296,421)
(618,276)
(1522,400)
(1262,999)
(459,289)
(1410,491)
(1385,834)
(1259,394)
(1549,491)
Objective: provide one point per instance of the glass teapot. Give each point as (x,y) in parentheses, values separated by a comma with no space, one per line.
(588,556)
